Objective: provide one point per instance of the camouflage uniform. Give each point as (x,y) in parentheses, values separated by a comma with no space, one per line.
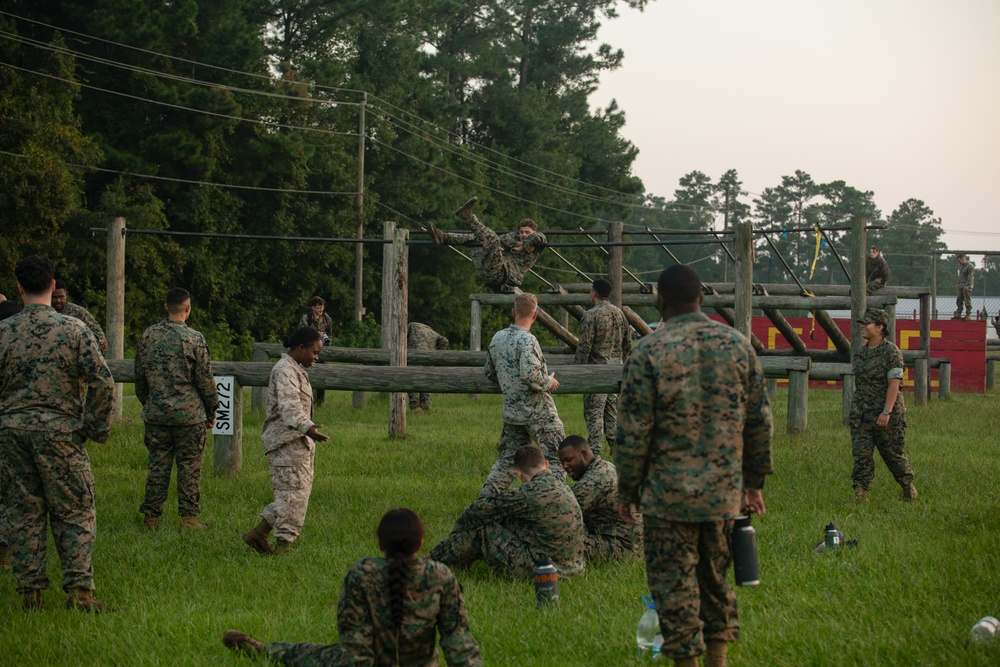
(82,314)
(433,605)
(875,269)
(174,383)
(290,452)
(514,361)
(873,368)
(324,325)
(606,536)
(56,392)
(694,430)
(966,281)
(496,262)
(509,531)
(422,337)
(604,339)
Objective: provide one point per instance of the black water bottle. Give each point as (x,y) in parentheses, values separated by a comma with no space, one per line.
(546,581)
(746,569)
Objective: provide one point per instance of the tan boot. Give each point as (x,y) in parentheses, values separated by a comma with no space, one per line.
(150,523)
(437,236)
(282,547)
(909,492)
(243,643)
(31,599)
(83,600)
(4,557)
(465,210)
(860,495)
(715,653)
(256,539)
(191,523)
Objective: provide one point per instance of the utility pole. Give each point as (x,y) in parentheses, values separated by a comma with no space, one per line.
(359,309)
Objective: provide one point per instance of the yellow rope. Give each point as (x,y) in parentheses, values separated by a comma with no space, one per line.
(819,237)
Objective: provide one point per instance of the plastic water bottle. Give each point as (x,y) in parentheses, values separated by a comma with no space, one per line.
(985,630)
(546,578)
(746,568)
(647,630)
(833,536)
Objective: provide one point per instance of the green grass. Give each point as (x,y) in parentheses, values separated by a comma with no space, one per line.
(922,575)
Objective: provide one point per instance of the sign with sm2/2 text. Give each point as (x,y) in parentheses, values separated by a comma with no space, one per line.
(226,386)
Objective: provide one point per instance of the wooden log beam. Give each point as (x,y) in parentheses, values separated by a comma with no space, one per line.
(785,329)
(637,322)
(375,356)
(716,301)
(781,289)
(833,332)
(627,288)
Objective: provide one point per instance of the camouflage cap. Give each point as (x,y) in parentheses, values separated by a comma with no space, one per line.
(875,316)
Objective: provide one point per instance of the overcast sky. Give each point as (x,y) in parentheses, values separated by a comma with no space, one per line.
(900,97)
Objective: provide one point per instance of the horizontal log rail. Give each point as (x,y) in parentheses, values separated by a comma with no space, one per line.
(710,301)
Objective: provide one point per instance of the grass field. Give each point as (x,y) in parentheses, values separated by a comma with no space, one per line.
(922,575)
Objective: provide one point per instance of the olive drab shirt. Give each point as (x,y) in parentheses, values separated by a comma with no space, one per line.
(873,368)
(597,493)
(53,377)
(82,314)
(604,335)
(433,605)
(173,376)
(966,276)
(323,325)
(694,422)
(877,268)
(543,513)
(514,361)
(289,406)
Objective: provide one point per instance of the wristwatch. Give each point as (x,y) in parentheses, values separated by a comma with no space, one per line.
(886,412)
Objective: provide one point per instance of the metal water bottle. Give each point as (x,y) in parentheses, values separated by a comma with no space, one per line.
(985,630)
(546,581)
(833,536)
(746,569)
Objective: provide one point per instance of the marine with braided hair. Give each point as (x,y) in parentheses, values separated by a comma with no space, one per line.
(391,611)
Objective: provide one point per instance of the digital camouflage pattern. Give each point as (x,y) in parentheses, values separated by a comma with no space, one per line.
(873,368)
(290,452)
(876,273)
(694,422)
(606,536)
(433,607)
(422,337)
(56,392)
(323,325)
(686,566)
(173,376)
(496,261)
(510,530)
(514,361)
(966,281)
(82,314)
(605,338)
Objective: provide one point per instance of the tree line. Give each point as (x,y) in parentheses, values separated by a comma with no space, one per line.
(244,117)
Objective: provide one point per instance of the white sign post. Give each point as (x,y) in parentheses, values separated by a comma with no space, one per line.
(227,450)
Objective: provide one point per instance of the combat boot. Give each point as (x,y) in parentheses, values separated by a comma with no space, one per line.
(256,539)
(715,653)
(282,547)
(437,236)
(968,316)
(83,600)
(243,643)
(909,492)
(4,557)
(31,599)
(150,523)
(860,494)
(465,210)
(189,523)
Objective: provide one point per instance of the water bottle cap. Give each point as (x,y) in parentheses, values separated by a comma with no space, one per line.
(831,526)
(648,601)
(741,521)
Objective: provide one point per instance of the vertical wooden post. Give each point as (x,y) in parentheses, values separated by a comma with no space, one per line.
(934,308)
(227,450)
(358,397)
(798,401)
(944,380)
(920,381)
(859,299)
(991,370)
(258,395)
(847,396)
(115,331)
(476,332)
(395,288)
(925,342)
(743,275)
(615,261)
(772,388)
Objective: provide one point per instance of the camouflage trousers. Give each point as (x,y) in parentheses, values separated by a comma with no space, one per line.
(421,400)
(605,548)
(600,411)
(492,543)
(319,395)
(873,286)
(185,446)
(488,259)
(889,441)
(48,478)
(547,436)
(4,486)
(964,298)
(686,567)
(291,469)
(304,654)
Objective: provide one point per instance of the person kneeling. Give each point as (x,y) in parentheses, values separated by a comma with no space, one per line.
(390,610)
(513,529)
